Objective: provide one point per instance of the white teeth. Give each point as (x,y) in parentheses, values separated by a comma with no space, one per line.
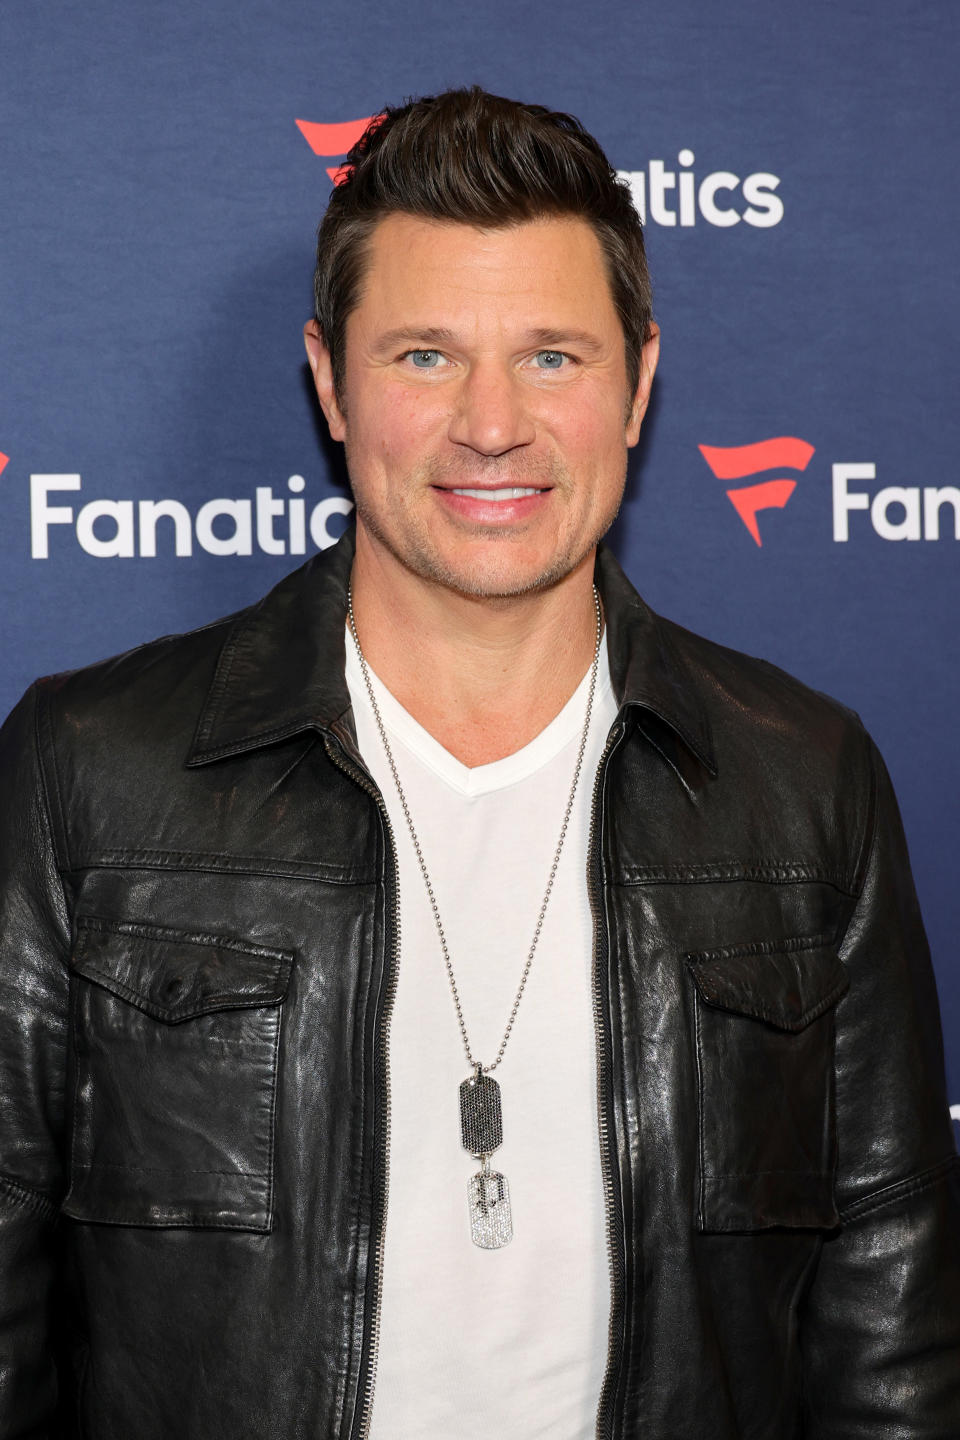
(514,492)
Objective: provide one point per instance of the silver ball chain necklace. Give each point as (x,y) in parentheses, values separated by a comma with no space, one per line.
(481,1115)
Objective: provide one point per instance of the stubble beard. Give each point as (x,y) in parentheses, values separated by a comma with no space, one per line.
(409,541)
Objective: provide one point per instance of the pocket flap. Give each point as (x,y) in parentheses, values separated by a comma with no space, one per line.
(787,983)
(174,975)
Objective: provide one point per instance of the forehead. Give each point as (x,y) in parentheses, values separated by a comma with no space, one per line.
(550,264)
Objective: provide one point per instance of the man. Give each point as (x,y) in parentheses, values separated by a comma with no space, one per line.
(280,896)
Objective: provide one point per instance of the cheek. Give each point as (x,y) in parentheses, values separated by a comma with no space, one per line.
(591,430)
(402,422)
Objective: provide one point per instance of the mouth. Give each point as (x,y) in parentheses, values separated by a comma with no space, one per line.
(499,496)
(494,508)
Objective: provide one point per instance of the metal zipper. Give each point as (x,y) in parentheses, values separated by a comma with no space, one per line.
(371,1343)
(614,1215)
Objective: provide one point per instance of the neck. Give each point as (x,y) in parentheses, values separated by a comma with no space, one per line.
(483,675)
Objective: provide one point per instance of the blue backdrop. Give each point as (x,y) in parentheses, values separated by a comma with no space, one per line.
(164,168)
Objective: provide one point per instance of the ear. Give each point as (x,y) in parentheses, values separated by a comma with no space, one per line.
(649,356)
(321,368)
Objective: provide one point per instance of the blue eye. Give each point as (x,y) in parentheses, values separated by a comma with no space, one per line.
(550,359)
(425,359)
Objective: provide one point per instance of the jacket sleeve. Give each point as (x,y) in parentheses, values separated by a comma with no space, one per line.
(34,943)
(881,1328)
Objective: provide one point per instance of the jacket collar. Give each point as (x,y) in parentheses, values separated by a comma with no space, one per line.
(281,670)
(649,673)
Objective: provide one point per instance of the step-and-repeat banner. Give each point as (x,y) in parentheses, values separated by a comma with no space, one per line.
(797,493)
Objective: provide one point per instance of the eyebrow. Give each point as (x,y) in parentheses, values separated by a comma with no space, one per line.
(556,339)
(544,337)
(409,335)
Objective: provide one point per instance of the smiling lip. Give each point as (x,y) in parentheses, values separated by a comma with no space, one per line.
(493,504)
(499,494)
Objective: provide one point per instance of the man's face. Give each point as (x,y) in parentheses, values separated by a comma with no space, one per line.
(485,411)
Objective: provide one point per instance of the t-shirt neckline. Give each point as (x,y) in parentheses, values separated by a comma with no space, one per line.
(477,780)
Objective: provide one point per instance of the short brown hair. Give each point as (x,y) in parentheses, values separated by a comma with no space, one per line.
(479,159)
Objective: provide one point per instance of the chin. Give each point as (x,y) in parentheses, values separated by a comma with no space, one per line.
(499,578)
(481,569)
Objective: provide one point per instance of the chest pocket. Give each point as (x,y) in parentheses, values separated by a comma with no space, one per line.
(765,1056)
(176,1040)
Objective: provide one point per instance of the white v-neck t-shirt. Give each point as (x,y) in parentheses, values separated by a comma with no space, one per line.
(510,1342)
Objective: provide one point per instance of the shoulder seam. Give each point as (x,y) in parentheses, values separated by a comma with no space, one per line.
(870,837)
(58,832)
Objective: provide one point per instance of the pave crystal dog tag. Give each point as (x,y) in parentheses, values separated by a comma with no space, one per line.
(481,1119)
(491,1220)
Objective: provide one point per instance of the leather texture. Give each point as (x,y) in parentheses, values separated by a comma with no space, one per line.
(197,898)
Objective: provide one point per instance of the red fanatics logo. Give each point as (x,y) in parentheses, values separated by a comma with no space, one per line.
(738,461)
(332,140)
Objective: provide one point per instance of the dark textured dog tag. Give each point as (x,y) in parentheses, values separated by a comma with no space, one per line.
(481,1120)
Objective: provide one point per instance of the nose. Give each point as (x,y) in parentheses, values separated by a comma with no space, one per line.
(491,416)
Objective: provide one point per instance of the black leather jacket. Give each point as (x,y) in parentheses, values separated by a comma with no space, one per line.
(196,976)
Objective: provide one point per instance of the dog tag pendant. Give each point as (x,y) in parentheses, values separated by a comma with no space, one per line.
(491,1220)
(481,1130)
(481,1119)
